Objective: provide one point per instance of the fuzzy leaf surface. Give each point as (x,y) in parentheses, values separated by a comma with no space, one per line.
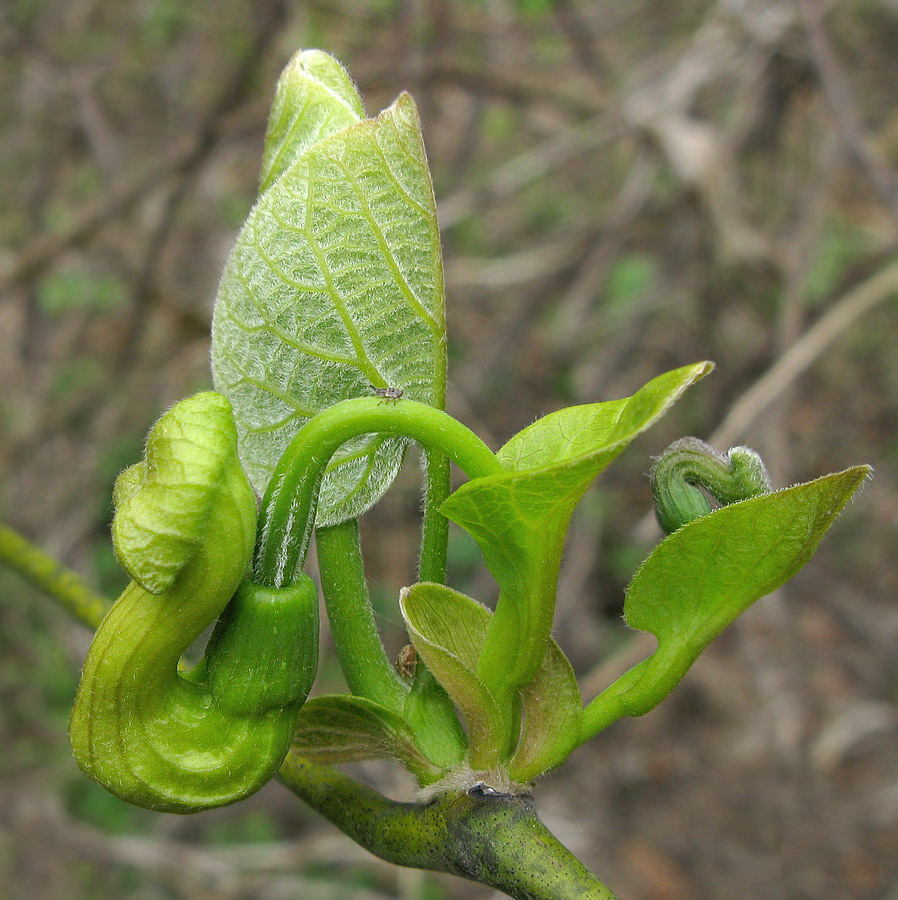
(334,285)
(447,630)
(704,575)
(314,99)
(342,728)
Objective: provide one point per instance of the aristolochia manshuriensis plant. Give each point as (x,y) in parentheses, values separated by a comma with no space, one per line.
(329,358)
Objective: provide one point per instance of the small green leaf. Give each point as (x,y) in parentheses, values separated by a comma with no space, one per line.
(552,708)
(457,626)
(447,629)
(520,517)
(314,99)
(342,728)
(704,575)
(334,285)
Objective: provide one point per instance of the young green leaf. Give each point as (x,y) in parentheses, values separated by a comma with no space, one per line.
(550,704)
(704,575)
(343,728)
(314,99)
(576,431)
(447,629)
(520,517)
(334,285)
(551,707)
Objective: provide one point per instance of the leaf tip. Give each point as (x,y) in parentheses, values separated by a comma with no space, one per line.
(701,369)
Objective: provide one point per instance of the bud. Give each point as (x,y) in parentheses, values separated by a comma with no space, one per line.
(690,473)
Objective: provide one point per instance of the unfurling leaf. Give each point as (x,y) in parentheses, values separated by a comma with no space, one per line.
(447,629)
(314,99)
(520,517)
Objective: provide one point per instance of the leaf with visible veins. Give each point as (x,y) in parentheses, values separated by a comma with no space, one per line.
(334,285)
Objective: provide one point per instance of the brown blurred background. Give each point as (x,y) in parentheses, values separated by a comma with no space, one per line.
(624,186)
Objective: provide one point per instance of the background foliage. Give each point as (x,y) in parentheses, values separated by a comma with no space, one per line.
(623,187)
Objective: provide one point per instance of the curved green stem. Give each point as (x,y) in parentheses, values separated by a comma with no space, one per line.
(365,665)
(288,507)
(427,706)
(494,839)
(611,704)
(45,573)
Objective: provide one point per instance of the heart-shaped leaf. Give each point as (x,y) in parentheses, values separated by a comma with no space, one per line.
(520,517)
(704,575)
(342,728)
(334,285)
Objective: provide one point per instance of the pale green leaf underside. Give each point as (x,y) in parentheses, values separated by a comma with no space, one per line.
(703,576)
(314,99)
(335,284)
(343,728)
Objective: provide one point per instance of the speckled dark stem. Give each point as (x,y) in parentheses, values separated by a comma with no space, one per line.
(494,839)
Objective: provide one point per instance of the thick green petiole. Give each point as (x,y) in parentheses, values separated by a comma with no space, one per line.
(365,666)
(435,526)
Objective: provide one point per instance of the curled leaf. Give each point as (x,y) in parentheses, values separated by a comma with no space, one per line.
(314,99)
(447,630)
